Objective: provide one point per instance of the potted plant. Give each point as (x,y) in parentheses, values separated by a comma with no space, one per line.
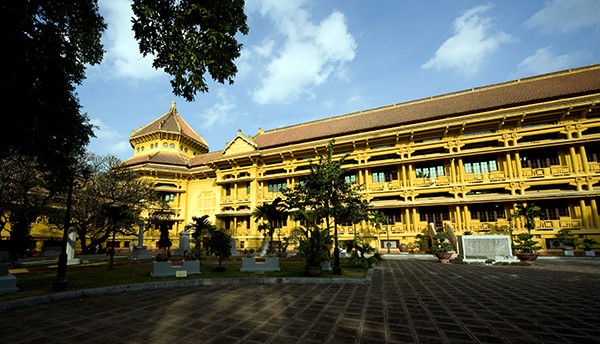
(587,246)
(566,241)
(403,247)
(442,247)
(526,247)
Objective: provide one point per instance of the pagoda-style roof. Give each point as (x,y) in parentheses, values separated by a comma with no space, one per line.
(170,123)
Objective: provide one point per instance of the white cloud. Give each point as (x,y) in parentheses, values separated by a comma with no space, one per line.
(545,61)
(108,140)
(309,55)
(470,45)
(123,58)
(220,112)
(565,15)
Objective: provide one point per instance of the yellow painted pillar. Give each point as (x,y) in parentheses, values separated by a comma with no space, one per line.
(595,217)
(518,165)
(452,171)
(467,217)
(404,184)
(235,191)
(586,167)
(509,166)
(584,214)
(461,171)
(407,219)
(415,219)
(574,163)
(410,176)
(458,218)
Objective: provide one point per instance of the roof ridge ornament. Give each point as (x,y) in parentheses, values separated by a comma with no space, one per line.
(173,105)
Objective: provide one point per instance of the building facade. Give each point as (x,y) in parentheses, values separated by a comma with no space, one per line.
(466,159)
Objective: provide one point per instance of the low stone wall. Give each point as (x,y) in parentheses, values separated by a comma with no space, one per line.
(166,269)
(259,264)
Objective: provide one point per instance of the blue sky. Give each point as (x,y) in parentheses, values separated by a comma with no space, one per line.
(306,60)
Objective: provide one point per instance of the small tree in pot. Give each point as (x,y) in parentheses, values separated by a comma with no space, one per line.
(442,247)
(526,247)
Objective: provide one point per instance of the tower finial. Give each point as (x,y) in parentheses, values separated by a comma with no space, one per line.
(173,103)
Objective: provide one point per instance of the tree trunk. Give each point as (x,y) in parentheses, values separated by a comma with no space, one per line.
(112,248)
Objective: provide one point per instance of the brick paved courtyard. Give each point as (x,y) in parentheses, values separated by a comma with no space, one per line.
(409,301)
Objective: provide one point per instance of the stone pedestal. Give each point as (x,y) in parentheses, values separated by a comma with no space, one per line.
(8,282)
(139,253)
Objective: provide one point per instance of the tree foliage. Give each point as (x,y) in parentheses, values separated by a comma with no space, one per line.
(190,38)
(46,47)
(200,227)
(529,212)
(275,212)
(219,244)
(107,198)
(325,194)
(23,196)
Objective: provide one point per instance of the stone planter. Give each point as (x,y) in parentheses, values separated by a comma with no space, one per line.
(312,270)
(403,248)
(443,257)
(527,257)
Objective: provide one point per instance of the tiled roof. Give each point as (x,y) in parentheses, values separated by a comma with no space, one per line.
(204,158)
(514,93)
(170,122)
(158,158)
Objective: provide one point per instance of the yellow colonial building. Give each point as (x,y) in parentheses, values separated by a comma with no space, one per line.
(465,158)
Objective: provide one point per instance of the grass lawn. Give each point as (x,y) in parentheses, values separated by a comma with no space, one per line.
(37,280)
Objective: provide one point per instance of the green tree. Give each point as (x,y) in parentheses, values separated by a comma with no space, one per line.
(275,212)
(190,38)
(23,196)
(326,195)
(47,45)
(123,196)
(200,226)
(219,244)
(529,212)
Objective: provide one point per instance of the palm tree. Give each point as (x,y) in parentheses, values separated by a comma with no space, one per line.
(201,226)
(529,212)
(275,212)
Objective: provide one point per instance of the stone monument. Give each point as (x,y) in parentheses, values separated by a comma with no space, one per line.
(485,248)
(8,282)
(71,242)
(139,251)
(263,248)
(184,243)
(234,252)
